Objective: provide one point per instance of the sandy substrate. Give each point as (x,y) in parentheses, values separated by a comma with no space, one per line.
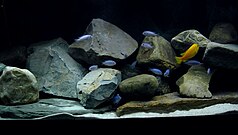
(211,110)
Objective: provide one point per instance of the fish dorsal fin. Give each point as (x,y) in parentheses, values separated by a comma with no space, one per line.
(182,54)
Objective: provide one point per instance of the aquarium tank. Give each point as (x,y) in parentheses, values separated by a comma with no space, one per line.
(118,59)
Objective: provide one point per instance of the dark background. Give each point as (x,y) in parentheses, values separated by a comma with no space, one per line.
(23,22)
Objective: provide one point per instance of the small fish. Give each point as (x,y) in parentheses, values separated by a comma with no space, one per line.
(149,33)
(133,65)
(116,99)
(93,67)
(156,71)
(209,71)
(109,63)
(147,45)
(166,73)
(192,62)
(188,54)
(84,37)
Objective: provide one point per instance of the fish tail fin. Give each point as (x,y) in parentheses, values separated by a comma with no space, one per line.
(178,60)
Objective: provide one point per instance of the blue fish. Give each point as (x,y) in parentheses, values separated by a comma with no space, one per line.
(93,67)
(149,33)
(209,71)
(166,73)
(147,45)
(109,63)
(116,99)
(84,37)
(133,65)
(156,71)
(192,62)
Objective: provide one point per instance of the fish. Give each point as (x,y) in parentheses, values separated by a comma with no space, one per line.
(188,54)
(116,99)
(149,33)
(209,71)
(156,71)
(166,73)
(192,62)
(147,45)
(109,63)
(93,67)
(133,65)
(84,37)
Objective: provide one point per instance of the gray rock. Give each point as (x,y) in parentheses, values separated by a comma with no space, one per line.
(172,102)
(46,108)
(224,56)
(161,55)
(185,39)
(140,87)
(108,42)
(223,33)
(18,86)
(98,86)
(56,72)
(163,87)
(195,83)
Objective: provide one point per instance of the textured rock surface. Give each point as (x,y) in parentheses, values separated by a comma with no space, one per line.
(161,55)
(18,86)
(56,72)
(46,107)
(223,33)
(185,39)
(195,83)
(98,86)
(224,56)
(108,42)
(172,102)
(163,87)
(140,87)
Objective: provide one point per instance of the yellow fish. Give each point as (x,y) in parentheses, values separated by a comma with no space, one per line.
(188,54)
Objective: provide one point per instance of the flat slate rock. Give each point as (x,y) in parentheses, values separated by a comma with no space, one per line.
(172,101)
(44,108)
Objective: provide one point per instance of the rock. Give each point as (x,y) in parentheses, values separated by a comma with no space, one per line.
(108,42)
(185,39)
(56,72)
(195,83)
(2,66)
(98,86)
(224,56)
(163,87)
(18,86)
(223,33)
(140,87)
(173,102)
(161,55)
(46,108)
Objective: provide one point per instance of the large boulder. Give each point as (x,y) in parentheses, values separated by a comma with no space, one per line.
(223,33)
(18,86)
(107,42)
(195,83)
(223,56)
(160,55)
(185,39)
(98,86)
(56,72)
(140,87)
